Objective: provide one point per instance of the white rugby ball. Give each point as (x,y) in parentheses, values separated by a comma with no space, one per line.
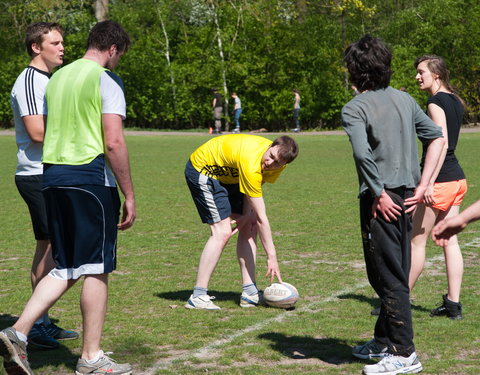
(281,295)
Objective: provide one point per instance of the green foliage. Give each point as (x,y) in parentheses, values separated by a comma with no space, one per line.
(269,47)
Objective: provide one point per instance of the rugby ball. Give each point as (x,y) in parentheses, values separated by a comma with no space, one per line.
(281,295)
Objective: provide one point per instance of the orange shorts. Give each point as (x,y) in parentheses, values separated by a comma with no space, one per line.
(447,194)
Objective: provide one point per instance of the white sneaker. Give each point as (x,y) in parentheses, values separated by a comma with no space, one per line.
(201,302)
(393,365)
(251,301)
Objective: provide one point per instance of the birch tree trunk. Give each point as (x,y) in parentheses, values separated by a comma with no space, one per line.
(101,10)
(222,64)
(167,57)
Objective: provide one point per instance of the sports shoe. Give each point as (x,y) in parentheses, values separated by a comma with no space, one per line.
(251,301)
(39,337)
(201,302)
(105,365)
(448,308)
(393,365)
(370,350)
(59,333)
(14,353)
(236,131)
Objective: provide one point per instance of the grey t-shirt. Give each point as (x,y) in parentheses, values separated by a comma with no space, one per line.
(382,126)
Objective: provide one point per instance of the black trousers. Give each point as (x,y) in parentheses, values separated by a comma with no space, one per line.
(386,249)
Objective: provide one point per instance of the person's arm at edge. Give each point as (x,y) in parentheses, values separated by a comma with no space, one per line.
(117,154)
(258,206)
(35,127)
(447,228)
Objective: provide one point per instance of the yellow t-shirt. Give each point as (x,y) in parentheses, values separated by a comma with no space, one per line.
(236,159)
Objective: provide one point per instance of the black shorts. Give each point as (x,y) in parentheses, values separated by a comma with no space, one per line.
(30,188)
(83,229)
(214,201)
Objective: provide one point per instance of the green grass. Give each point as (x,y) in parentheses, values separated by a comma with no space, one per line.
(313,210)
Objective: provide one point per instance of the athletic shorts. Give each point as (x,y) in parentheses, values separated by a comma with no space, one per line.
(30,188)
(83,229)
(214,201)
(448,194)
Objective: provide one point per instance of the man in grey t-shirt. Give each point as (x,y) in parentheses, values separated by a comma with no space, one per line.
(382,124)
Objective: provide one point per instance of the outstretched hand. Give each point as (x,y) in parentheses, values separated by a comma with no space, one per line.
(273,270)
(447,228)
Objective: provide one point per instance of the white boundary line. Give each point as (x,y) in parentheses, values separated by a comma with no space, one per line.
(204,351)
(163,364)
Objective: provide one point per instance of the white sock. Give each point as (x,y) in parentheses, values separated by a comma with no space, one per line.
(22,337)
(92,361)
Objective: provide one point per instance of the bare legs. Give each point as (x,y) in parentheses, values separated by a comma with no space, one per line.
(220,234)
(424,219)
(42,262)
(93,303)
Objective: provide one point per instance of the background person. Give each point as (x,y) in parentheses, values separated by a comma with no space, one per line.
(447,187)
(225,177)
(296,110)
(44,42)
(217,105)
(382,124)
(83,140)
(237,111)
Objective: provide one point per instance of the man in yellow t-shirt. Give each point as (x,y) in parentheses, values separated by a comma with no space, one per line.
(225,176)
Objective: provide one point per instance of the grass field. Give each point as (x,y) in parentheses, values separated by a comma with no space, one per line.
(313,210)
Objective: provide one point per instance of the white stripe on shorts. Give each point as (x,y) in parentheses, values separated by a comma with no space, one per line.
(208,196)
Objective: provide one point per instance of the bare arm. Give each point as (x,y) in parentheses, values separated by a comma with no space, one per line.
(117,154)
(35,127)
(447,228)
(438,117)
(258,206)
(434,151)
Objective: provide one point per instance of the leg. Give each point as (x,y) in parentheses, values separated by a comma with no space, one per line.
(47,292)
(220,234)
(423,222)
(453,260)
(42,261)
(247,249)
(93,303)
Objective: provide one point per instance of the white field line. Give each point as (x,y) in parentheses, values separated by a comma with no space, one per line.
(205,350)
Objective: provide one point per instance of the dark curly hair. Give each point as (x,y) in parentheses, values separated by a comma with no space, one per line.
(107,33)
(368,62)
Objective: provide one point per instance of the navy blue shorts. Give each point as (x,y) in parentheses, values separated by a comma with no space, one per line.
(83,229)
(30,188)
(215,201)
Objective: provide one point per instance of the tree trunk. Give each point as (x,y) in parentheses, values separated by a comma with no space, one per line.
(101,10)
(222,64)
(167,57)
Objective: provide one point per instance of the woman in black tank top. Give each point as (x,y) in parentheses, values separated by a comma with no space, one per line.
(448,185)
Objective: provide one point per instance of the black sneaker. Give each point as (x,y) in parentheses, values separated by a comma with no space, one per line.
(450,309)
(59,333)
(39,338)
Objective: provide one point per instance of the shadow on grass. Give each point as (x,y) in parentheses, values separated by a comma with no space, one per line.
(329,350)
(375,302)
(39,358)
(184,295)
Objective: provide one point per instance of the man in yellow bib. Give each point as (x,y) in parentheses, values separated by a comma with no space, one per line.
(225,177)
